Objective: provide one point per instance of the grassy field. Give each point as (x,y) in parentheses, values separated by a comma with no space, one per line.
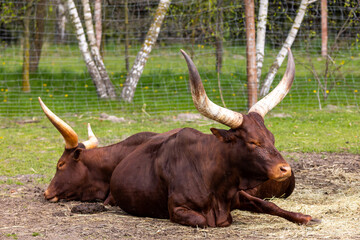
(34,148)
(162,93)
(64,84)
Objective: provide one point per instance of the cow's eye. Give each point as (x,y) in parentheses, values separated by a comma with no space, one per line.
(61,164)
(255,143)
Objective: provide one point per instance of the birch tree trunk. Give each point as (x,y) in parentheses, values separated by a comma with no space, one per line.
(250,52)
(324,33)
(260,38)
(60,22)
(26,48)
(288,42)
(84,49)
(37,43)
(95,52)
(98,22)
(141,58)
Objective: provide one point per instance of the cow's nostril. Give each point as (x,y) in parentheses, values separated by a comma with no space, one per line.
(285,169)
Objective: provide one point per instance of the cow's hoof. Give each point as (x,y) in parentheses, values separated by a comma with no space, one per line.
(313,222)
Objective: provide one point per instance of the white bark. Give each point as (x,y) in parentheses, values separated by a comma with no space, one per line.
(141,58)
(60,21)
(98,22)
(288,42)
(84,49)
(260,38)
(95,52)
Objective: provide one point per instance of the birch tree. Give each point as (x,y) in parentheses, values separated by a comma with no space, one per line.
(60,21)
(95,52)
(84,49)
(98,22)
(142,56)
(288,42)
(250,52)
(260,38)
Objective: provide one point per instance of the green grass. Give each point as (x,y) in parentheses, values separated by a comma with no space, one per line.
(36,147)
(64,84)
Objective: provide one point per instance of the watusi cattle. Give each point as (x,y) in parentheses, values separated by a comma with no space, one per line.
(197,179)
(83,171)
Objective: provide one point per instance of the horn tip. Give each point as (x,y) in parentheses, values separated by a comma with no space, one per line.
(183,53)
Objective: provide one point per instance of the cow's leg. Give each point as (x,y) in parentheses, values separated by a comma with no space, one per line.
(253,204)
(184,215)
(188,217)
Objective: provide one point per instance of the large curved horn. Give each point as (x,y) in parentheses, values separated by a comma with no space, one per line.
(204,105)
(93,141)
(70,136)
(263,106)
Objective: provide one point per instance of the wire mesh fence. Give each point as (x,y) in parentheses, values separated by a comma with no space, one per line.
(62,80)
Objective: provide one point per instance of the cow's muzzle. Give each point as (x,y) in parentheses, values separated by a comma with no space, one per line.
(280,172)
(49,197)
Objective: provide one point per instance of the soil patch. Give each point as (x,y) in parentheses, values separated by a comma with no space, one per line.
(328,187)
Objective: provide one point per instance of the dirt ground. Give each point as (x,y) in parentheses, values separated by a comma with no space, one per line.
(328,188)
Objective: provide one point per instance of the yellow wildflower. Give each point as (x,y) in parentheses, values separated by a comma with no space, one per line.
(66,95)
(314,91)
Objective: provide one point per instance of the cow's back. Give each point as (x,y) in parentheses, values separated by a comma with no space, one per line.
(136,185)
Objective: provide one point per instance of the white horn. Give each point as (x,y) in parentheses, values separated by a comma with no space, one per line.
(93,141)
(204,105)
(263,106)
(70,136)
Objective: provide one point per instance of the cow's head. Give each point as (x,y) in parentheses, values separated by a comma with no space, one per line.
(257,158)
(71,177)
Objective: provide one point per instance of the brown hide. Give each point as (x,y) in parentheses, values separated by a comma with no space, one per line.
(84,174)
(196,179)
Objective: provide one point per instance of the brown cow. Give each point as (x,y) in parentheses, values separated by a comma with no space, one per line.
(83,171)
(196,179)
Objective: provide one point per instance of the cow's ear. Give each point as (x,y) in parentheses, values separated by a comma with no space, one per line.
(77,154)
(222,135)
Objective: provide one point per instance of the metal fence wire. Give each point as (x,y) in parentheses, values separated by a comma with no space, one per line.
(40,46)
